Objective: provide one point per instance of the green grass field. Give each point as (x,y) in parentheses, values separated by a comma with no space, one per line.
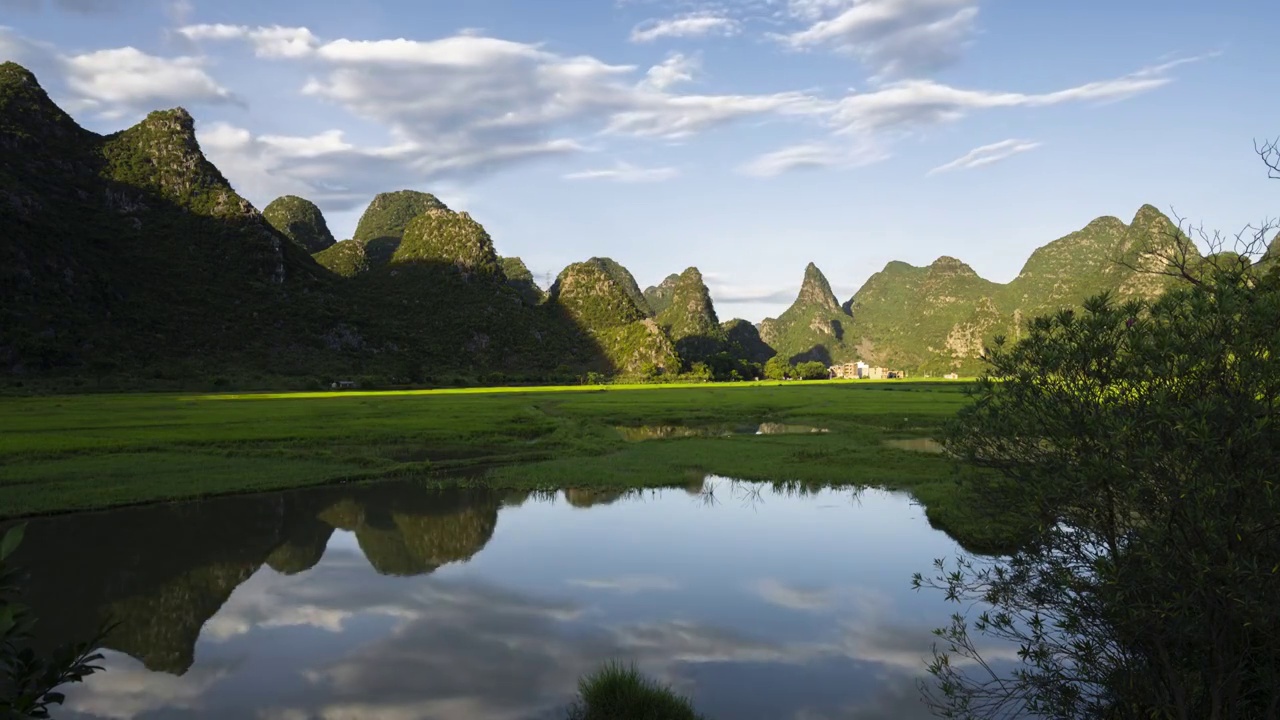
(79,452)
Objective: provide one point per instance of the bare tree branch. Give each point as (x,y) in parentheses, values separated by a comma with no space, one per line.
(1176,253)
(1269,151)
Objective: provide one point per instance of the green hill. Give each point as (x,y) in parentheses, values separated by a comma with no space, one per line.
(384,221)
(591,296)
(813,328)
(130,253)
(938,319)
(659,296)
(690,318)
(443,236)
(130,261)
(346,258)
(301,221)
(742,340)
(625,280)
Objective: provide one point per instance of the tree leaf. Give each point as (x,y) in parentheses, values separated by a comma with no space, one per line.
(11,540)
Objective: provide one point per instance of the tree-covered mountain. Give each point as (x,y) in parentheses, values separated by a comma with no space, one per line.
(659,296)
(937,319)
(521,279)
(130,251)
(591,295)
(625,280)
(301,221)
(742,339)
(128,260)
(690,319)
(814,327)
(378,232)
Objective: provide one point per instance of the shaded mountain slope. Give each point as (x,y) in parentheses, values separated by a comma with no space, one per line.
(131,248)
(301,221)
(590,295)
(690,318)
(521,279)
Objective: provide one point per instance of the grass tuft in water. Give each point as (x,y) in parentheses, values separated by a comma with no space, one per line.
(618,692)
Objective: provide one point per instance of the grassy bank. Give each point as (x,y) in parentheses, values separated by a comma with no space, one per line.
(79,452)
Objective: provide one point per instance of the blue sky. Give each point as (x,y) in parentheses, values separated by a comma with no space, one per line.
(746,138)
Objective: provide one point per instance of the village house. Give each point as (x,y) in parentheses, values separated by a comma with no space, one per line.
(847,371)
(863,371)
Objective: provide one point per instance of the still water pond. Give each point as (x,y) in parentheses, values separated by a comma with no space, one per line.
(396,602)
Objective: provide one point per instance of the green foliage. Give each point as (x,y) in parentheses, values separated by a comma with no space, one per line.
(1144,437)
(533,437)
(28,682)
(777,369)
(617,692)
(390,213)
(347,258)
(448,238)
(811,370)
(301,221)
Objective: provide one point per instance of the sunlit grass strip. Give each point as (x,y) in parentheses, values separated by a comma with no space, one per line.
(617,692)
(507,390)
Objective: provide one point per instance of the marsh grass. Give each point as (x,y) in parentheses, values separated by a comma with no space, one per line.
(68,453)
(620,692)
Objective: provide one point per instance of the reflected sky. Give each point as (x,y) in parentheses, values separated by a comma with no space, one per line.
(405,603)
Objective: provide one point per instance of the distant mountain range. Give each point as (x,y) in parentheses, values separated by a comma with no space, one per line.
(129,259)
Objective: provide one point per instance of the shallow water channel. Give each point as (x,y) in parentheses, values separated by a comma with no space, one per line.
(393,601)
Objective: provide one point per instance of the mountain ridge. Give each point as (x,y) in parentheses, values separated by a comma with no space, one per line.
(132,256)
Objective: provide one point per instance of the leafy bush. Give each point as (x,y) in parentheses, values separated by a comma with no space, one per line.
(28,683)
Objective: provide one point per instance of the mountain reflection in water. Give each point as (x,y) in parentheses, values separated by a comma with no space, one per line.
(398,601)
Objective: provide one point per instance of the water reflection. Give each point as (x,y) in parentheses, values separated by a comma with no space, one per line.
(395,601)
(667,432)
(926,445)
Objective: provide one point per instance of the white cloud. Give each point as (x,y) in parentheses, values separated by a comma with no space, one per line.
(127,79)
(117,82)
(914,103)
(986,155)
(676,69)
(268,42)
(628,584)
(124,689)
(338,175)
(892,37)
(685,26)
(813,156)
(462,105)
(794,157)
(875,118)
(793,598)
